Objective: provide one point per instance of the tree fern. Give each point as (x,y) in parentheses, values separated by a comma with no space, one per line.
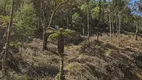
(59,34)
(60,31)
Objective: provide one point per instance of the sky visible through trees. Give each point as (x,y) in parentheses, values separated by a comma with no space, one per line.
(132,4)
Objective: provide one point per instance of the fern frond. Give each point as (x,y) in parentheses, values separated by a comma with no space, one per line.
(54,35)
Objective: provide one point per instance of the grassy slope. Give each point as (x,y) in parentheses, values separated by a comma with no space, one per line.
(89,61)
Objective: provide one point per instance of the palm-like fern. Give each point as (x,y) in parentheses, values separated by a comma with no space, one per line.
(56,31)
(59,33)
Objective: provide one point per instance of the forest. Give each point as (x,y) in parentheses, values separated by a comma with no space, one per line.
(70,39)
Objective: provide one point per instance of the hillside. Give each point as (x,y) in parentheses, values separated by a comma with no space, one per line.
(88,61)
(70,40)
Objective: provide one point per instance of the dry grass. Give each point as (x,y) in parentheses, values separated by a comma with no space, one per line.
(89,61)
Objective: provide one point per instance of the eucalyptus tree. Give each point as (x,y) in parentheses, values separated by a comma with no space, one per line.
(86,9)
(54,6)
(122,6)
(84,18)
(109,12)
(99,18)
(88,26)
(4,63)
(137,11)
(117,9)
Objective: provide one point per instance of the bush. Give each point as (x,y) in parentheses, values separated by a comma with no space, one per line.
(25,21)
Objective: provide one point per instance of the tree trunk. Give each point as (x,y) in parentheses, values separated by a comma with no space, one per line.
(45,37)
(100,12)
(4,64)
(43,22)
(67,22)
(97,36)
(117,30)
(119,24)
(61,51)
(83,30)
(136,38)
(44,40)
(119,27)
(110,22)
(88,26)
(62,68)
(110,27)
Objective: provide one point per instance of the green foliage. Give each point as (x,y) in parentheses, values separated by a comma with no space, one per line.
(76,18)
(25,20)
(4,7)
(56,32)
(91,3)
(76,21)
(4,20)
(84,7)
(95,12)
(15,44)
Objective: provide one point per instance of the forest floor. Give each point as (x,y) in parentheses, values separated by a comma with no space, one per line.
(93,60)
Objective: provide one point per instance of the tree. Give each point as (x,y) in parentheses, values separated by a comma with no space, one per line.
(4,64)
(100,13)
(59,34)
(76,22)
(120,12)
(88,26)
(85,7)
(57,5)
(25,21)
(137,11)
